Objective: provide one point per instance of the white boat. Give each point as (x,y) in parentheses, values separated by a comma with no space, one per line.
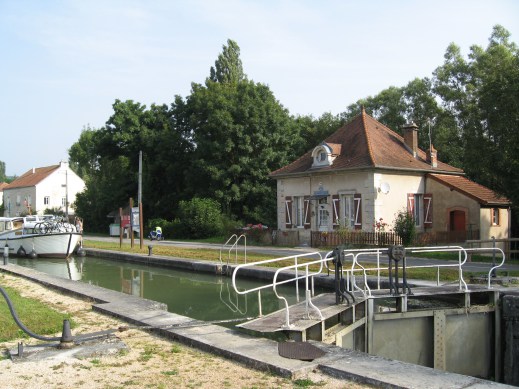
(41,236)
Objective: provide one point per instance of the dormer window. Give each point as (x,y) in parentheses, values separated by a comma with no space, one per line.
(323,156)
(325,153)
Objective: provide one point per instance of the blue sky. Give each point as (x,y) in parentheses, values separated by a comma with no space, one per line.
(63,63)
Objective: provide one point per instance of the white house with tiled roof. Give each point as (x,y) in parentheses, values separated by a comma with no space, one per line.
(50,187)
(365,172)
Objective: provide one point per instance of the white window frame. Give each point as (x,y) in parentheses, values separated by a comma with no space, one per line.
(299,209)
(495,216)
(347,210)
(46,200)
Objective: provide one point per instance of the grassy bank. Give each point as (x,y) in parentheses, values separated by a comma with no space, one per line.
(35,315)
(429,274)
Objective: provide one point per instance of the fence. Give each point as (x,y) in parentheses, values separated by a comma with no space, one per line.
(285,238)
(509,246)
(384,239)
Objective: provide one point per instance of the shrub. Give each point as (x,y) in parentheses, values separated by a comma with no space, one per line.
(168,228)
(201,218)
(405,227)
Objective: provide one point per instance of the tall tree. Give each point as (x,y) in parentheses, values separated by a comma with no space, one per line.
(482,95)
(2,172)
(313,131)
(228,67)
(240,134)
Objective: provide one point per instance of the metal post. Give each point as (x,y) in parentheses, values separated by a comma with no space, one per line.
(259,304)
(493,255)
(120,227)
(131,223)
(6,254)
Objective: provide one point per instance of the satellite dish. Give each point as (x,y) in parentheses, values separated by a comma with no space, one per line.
(384,188)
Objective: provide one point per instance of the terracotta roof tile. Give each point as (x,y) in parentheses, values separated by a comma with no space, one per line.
(3,185)
(480,193)
(31,179)
(367,143)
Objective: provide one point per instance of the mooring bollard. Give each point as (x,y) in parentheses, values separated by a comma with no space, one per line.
(66,341)
(150,249)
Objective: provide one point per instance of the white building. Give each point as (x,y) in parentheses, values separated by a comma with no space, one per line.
(51,187)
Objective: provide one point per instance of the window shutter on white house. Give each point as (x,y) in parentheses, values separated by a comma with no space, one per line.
(307,214)
(288,212)
(428,210)
(357,203)
(410,204)
(336,202)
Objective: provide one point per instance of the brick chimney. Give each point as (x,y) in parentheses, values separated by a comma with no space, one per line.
(411,137)
(432,156)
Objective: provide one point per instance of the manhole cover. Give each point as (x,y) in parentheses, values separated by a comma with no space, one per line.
(299,350)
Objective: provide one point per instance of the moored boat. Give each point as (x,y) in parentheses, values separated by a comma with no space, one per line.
(38,236)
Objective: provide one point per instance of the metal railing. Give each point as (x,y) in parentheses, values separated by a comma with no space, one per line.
(232,244)
(356,267)
(296,277)
(463,255)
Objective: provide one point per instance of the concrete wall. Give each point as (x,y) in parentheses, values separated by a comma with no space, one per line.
(488,230)
(388,205)
(375,204)
(14,207)
(446,200)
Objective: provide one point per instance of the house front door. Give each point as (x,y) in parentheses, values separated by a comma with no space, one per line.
(457,221)
(322,217)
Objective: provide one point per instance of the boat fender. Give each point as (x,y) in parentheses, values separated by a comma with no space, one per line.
(21,252)
(80,252)
(33,254)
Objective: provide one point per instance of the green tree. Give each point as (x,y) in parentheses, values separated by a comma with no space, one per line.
(240,134)
(2,172)
(314,131)
(482,95)
(228,67)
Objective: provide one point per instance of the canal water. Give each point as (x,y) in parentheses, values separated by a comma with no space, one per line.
(201,296)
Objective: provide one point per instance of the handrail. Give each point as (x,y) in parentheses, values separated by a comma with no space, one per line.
(308,297)
(296,278)
(235,247)
(462,260)
(355,267)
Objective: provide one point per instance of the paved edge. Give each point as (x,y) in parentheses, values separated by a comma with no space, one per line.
(258,353)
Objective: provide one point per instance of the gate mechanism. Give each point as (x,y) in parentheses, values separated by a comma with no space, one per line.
(396,254)
(341,291)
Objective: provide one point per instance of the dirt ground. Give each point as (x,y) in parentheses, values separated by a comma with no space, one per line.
(148,362)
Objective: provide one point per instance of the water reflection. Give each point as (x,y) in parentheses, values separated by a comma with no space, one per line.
(200,296)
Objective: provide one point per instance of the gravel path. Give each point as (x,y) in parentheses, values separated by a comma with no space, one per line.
(148,362)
